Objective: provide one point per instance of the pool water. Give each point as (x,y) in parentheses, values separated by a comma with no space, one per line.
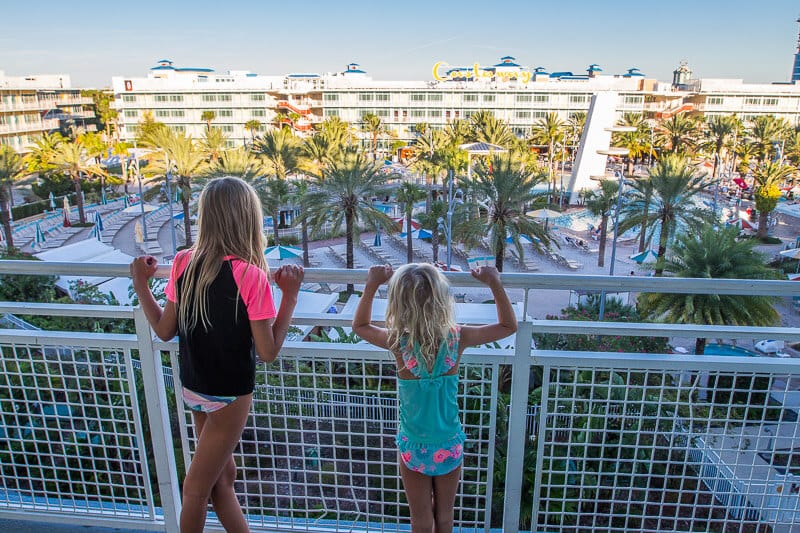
(727,349)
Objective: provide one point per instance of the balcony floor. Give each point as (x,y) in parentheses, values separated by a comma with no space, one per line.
(24,526)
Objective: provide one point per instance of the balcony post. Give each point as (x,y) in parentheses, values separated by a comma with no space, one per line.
(520,381)
(160,431)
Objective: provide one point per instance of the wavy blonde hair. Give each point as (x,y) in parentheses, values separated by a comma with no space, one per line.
(229,222)
(420,308)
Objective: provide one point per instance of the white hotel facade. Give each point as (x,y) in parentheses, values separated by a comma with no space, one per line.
(179,96)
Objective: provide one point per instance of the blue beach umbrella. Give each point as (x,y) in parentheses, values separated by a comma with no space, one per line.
(38,238)
(282,252)
(103,196)
(377,241)
(98,221)
(648,256)
(125,201)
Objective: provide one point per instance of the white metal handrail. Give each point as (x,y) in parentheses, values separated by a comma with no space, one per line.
(610,439)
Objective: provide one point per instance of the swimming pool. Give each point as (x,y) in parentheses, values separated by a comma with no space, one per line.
(727,349)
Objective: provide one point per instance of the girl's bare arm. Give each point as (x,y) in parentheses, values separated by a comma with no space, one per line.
(506,318)
(362,320)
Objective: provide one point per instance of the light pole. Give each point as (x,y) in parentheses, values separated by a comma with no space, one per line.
(141,194)
(449,231)
(167,179)
(717,164)
(620,176)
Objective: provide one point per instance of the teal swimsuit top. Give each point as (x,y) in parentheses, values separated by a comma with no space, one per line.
(428,410)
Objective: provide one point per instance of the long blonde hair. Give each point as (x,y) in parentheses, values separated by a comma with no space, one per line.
(229,222)
(419,308)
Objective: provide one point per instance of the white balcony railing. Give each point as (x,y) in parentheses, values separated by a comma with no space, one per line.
(557,441)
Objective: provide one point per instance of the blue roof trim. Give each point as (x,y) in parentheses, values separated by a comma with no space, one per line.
(194,69)
(354,71)
(162,67)
(507,57)
(310,75)
(561,74)
(507,65)
(164,61)
(250,75)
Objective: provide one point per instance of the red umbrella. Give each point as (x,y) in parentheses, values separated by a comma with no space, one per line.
(741,224)
(740,182)
(403,226)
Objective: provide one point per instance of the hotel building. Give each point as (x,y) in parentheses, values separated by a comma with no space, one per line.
(32,105)
(518,95)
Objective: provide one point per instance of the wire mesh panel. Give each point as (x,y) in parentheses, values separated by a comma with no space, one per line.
(70,436)
(319,451)
(626,449)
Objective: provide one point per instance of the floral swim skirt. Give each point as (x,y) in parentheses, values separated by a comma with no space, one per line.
(431,460)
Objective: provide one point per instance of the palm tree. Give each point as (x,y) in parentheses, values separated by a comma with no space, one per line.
(372,126)
(281,151)
(679,134)
(213,144)
(643,189)
(121,149)
(637,142)
(430,221)
(341,196)
(600,202)
(717,254)
(719,129)
(241,163)
(489,129)
(765,131)
(768,178)
(547,132)
(317,151)
(40,158)
(252,126)
(12,168)
(299,197)
(207,117)
(408,194)
(674,183)
(506,192)
(338,133)
(71,160)
(274,196)
(179,155)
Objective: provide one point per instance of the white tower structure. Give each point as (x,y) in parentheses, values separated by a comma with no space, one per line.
(596,136)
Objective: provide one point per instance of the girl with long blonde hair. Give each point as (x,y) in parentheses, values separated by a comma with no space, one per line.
(219,303)
(427,345)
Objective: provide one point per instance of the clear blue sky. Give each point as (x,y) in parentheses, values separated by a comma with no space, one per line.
(93,40)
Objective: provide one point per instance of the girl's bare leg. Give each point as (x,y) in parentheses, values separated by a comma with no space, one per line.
(212,472)
(419,493)
(445,489)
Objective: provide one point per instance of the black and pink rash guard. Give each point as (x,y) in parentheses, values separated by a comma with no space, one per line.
(220,361)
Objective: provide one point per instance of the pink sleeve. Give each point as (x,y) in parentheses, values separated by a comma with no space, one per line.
(254,288)
(178,266)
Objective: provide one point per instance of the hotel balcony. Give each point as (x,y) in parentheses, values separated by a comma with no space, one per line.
(94,432)
(38,126)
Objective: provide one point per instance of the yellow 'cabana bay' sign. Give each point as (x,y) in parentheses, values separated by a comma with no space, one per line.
(474,73)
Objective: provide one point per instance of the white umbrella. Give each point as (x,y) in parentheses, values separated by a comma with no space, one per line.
(137,231)
(544,214)
(792,253)
(52,201)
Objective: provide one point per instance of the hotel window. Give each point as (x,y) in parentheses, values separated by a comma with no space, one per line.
(539,114)
(752,101)
(383,113)
(225,112)
(180,128)
(161,98)
(382,97)
(230,143)
(257,97)
(524,98)
(331,97)
(633,100)
(128,98)
(177,113)
(714,100)
(176,98)
(227,128)
(365,97)
(577,99)
(131,113)
(522,114)
(470,97)
(418,113)
(488,98)
(771,101)
(258,113)
(435,113)
(160,113)
(132,128)
(331,112)
(225,97)
(541,98)
(209,97)
(434,97)
(417,97)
